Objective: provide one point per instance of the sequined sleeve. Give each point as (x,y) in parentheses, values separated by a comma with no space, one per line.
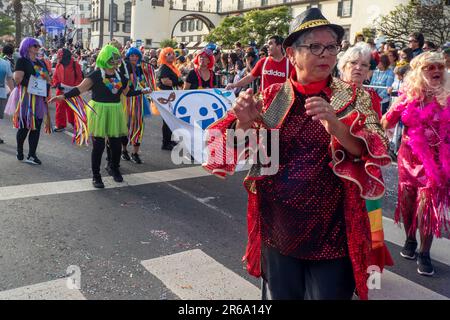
(366,170)
(395,112)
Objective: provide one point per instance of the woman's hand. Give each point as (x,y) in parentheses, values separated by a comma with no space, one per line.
(167,82)
(230,86)
(247,109)
(321,110)
(57,98)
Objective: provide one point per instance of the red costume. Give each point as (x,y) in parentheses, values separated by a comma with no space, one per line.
(67,73)
(423,164)
(335,185)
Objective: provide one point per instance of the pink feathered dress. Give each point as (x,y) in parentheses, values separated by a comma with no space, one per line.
(423,165)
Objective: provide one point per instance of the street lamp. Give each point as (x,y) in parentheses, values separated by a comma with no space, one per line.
(111,20)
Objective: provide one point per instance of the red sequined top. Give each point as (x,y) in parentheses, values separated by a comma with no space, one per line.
(302,205)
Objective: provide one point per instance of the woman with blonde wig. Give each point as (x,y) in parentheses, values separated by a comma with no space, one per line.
(424,155)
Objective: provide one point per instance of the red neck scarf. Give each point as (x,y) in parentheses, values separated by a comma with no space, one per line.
(312,88)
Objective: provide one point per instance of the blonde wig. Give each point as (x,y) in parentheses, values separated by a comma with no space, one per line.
(417,87)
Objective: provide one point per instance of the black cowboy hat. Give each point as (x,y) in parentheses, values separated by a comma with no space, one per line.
(310,19)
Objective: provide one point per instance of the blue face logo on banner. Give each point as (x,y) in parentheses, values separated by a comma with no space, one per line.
(199,108)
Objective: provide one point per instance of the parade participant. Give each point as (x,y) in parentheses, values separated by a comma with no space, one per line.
(106,117)
(359,37)
(43,57)
(353,67)
(67,75)
(201,76)
(8,51)
(424,155)
(30,109)
(309,232)
(405,55)
(274,69)
(5,80)
(136,107)
(383,78)
(415,42)
(446,53)
(168,78)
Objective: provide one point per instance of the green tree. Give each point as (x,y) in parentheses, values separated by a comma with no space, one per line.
(255,25)
(168,43)
(431,18)
(6,25)
(228,31)
(369,33)
(260,24)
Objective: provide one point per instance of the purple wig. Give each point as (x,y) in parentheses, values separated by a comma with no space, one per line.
(26,44)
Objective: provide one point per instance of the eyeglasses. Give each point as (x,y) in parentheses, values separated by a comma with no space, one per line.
(318,49)
(434,67)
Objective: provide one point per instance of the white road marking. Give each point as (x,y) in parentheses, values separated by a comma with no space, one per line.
(71,186)
(193,275)
(440,251)
(203,201)
(50,290)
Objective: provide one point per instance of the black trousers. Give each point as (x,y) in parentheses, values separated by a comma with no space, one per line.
(166,133)
(289,278)
(98,146)
(33,138)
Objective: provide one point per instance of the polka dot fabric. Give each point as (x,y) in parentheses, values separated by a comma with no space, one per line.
(302,205)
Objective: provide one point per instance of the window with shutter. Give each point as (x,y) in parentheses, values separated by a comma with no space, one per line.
(339,13)
(346,8)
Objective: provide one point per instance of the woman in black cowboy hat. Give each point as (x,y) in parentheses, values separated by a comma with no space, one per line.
(309,232)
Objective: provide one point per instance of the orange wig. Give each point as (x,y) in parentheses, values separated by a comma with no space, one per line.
(163,60)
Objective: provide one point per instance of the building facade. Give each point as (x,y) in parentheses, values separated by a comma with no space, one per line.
(183,20)
(77,14)
(189,21)
(100,21)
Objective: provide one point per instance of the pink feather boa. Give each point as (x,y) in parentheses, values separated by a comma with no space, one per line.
(429,133)
(429,130)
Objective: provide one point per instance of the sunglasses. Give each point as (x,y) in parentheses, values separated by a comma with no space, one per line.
(434,67)
(36,46)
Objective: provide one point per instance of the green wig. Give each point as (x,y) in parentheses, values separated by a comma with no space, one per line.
(107,53)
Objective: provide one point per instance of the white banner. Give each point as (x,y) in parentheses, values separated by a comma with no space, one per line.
(188,113)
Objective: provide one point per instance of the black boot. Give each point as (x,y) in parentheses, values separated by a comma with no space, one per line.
(115,173)
(97,181)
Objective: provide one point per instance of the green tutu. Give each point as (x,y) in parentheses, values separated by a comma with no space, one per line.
(108,120)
